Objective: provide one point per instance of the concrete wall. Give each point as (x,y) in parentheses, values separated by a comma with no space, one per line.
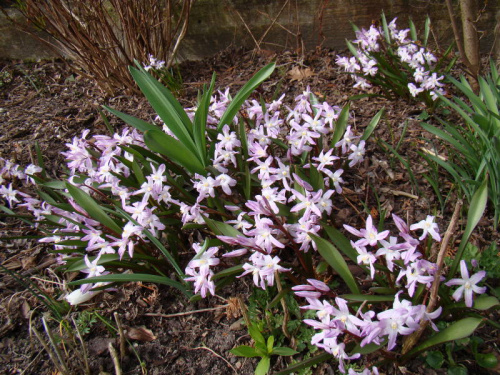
(217,24)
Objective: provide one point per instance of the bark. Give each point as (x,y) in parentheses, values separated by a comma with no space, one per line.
(469,15)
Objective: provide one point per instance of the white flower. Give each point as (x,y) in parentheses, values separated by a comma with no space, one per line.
(429,227)
(468,285)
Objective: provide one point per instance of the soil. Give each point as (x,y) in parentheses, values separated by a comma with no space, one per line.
(46,104)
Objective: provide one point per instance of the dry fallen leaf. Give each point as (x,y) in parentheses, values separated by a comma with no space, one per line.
(140,334)
(298,74)
(25,310)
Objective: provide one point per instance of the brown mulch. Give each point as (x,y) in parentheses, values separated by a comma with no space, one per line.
(48,104)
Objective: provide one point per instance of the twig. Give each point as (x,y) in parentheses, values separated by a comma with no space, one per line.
(116,360)
(399,193)
(186,312)
(441,255)
(119,325)
(457,35)
(249,31)
(273,21)
(215,354)
(412,339)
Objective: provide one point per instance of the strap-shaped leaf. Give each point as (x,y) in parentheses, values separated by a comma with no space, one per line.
(244,93)
(458,330)
(476,211)
(137,123)
(323,357)
(80,264)
(167,107)
(92,208)
(220,228)
(200,122)
(341,241)
(134,277)
(367,297)
(372,125)
(340,124)
(336,261)
(157,243)
(174,150)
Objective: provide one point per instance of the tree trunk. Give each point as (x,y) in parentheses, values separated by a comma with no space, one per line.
(469,14)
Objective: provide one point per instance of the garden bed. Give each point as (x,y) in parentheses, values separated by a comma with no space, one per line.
(48,104)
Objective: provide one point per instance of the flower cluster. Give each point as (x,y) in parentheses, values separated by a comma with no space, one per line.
(283,148)
(412,266)
(335,320)
(264,231)
(154,63)
(374,58)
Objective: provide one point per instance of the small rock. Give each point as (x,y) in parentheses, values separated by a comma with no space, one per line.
(237,326)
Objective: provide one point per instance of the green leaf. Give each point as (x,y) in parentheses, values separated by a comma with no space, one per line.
(485,302)
(157,243)
(336,261)
(413,31)
(244,93)
(220,228)
(92,208)
(167,107)
(434,359)
(263,366)
(256,335)
(137,123)
(427,30)
(284,351)
(367,297)
(476,211)
(244,351)
(481,303)
(458,330)
(385,27)
(487,360)
(200,122)
(372,125)
(457,370)
(59,185)
(323,357)
(174,150)
(80,264)
(134,277)
(231,271)
(341,241)
(367,349)
(270,344)
(340,125)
